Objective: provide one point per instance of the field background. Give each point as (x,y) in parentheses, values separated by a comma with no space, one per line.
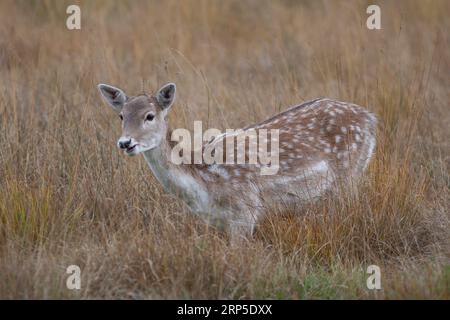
(68,196)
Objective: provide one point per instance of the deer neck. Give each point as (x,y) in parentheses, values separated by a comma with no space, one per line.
(177,179)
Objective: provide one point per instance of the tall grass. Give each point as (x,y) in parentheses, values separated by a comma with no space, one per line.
(67,196)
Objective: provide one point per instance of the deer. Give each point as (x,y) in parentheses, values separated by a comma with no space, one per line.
(322,143)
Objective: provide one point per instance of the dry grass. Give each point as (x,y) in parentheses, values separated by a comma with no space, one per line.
(67,196)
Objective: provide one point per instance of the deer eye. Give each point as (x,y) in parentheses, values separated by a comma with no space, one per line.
(149,117)
(121,117)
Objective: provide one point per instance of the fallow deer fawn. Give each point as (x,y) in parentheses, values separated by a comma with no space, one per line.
(321,142)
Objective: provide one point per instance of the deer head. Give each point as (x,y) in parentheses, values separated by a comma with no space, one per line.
(144,121)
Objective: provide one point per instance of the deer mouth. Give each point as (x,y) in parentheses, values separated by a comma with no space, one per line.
(131,150)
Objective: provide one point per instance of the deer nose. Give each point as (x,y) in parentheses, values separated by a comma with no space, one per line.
(124,143)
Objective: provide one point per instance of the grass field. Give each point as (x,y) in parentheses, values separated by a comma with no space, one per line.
(69,196)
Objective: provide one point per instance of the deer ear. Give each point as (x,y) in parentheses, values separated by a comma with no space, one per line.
(115,97)
(166,95)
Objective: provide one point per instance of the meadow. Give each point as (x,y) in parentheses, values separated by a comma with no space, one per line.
(68,196)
